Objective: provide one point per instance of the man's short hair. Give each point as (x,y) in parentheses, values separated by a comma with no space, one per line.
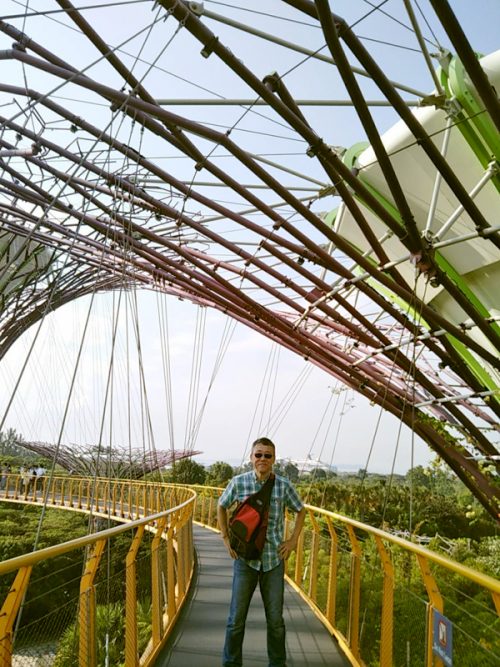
(263,441)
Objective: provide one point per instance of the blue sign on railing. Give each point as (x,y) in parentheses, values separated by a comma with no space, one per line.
(442,638)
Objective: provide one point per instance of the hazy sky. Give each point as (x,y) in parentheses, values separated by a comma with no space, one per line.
(222,385)
(256,388)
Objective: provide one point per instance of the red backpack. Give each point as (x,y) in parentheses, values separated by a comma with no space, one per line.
(248,523)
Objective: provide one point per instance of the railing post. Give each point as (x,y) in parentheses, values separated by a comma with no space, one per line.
(122,502)
(87,617)
(44,486)
(331,597)
(171,601)
(158,498)
(105,496)
(181,584)
(435,603)
(88,495)
(113,502)
(179,534)
(131,649)
(155,505)
(156,587)
(354,593)
(299,562)
(313,568)
(80,494)
(210,517)
(188,551)
(387,612)
(9,611)
(129,514)
(18,487)
(10,478)
(202,510)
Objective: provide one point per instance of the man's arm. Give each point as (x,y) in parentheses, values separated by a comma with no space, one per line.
(286,547)
(224,529)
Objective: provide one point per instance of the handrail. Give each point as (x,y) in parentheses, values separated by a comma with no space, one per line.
(363,584)
(170,559)
(28,560)
(360,580)
(493,585)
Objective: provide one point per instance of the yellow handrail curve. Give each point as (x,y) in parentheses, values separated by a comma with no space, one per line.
(169,558)
(353,574)
(360,580)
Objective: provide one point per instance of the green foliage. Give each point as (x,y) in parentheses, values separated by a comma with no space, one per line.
(54,579)
(110,638)
(11,444)
(218,474)
(110,635)
(286,469)
(428,501)
(186,471)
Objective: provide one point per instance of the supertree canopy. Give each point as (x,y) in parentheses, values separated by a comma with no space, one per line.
(119,463)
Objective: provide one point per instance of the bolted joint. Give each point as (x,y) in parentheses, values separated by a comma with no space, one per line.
(272,82)
(197,8)
(314,149)
(327,190)
(209,48)
(424,262)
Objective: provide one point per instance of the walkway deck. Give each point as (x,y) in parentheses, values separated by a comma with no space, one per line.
(199,636)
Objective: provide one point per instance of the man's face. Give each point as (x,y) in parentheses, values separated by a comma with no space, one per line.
(262,458)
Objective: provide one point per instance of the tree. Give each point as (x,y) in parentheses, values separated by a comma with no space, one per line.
(291,471)
(11,443)
(187,471)
(244,467)
(287,469)
(219,473)
(110,643)
(418,476)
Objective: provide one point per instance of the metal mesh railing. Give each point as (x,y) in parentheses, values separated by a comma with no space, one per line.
(119,590)
(378,593)
(123,587)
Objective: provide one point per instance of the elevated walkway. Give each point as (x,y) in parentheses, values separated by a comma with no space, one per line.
(378,593)
(198,637)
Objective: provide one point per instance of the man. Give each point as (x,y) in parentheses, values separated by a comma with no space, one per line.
(269,571)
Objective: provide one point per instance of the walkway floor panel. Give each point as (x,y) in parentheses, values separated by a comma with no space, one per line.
(199,636)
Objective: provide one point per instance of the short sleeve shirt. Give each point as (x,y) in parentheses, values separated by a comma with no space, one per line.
(283,496)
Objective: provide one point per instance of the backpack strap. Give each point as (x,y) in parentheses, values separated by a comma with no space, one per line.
(266,491)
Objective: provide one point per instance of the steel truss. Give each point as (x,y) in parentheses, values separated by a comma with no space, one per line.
(283,269)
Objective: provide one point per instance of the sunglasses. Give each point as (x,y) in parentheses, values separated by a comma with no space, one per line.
(259,455)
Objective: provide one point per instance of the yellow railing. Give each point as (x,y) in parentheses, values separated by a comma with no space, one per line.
(379,595)
(147,563)
(382,596)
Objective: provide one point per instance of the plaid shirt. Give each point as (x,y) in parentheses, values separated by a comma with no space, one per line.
(283,495)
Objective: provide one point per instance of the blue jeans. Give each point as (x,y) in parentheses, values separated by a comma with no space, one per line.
(271,584)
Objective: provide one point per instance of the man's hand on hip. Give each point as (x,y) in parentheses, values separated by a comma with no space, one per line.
(286,548)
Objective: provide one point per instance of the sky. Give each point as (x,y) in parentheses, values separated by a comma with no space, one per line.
(208,383)
(257,388)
